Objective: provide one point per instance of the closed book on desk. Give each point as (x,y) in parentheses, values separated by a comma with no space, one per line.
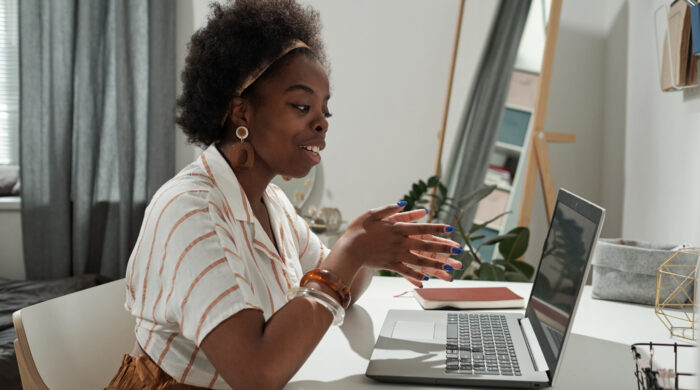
(469,298)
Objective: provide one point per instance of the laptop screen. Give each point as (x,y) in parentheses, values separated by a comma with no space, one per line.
(561,272)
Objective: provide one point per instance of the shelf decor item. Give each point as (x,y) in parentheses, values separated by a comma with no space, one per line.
(676,289)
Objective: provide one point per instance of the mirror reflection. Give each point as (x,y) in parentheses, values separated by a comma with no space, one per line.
(480,115)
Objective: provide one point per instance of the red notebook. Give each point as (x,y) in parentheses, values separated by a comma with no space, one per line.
(469,298)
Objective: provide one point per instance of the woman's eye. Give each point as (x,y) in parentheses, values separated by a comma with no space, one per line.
(305,108)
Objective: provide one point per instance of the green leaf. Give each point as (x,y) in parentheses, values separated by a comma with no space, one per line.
(433,181)
(524,268)
(488,271)
(477,237)
(496,239)
(475,196)
(478,226)
(516,277)
(515,246)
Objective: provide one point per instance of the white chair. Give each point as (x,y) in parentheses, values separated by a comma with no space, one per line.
(75,341)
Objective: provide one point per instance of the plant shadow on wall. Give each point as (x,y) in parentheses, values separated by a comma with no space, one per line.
(511,245)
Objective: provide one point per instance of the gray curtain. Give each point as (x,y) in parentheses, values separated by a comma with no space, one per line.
(482,116)
(96,127)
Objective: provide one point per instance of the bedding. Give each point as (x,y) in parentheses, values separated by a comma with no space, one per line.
(16,294)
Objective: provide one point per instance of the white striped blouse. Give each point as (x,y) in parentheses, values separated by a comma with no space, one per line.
(202,256)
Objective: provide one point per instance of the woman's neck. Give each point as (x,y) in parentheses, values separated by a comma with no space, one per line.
(253,180)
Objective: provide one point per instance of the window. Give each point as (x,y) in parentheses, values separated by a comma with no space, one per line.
(9,83)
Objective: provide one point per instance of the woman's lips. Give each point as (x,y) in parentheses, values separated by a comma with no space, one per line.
(314,157)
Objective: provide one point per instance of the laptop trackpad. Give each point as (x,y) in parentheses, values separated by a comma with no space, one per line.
(414,330)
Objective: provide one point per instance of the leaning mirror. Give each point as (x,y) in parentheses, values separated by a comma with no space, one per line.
(491,107)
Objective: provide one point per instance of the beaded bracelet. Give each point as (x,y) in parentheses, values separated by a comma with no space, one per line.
(320,297)
(332,281)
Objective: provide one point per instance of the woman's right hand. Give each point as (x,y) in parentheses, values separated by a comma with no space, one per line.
(383,239)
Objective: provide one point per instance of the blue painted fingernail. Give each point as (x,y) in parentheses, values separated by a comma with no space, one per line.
(426,277)
(402,203)
(456,251)
(448,267)
(427,211)
(452,279)
(449,229)
(421,286)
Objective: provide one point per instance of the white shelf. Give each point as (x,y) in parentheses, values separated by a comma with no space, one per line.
(513,149)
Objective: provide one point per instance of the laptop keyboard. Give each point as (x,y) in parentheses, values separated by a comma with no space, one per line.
(480,343)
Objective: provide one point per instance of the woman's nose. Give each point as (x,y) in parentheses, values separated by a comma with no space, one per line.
(322,125)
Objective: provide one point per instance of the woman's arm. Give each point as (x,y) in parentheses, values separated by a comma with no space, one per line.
(250,353)
(360,283)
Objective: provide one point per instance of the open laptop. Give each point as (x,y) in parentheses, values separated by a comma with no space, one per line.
(499,349)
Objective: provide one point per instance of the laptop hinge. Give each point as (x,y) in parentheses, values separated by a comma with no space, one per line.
(533,346)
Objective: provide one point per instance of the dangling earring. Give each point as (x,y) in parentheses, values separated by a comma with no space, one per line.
(242,147)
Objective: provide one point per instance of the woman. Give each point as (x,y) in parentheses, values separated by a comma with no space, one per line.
(228,286)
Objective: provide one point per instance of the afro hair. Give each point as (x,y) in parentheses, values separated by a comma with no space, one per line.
(237,39)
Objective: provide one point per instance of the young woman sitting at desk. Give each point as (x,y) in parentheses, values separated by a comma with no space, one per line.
(228,286)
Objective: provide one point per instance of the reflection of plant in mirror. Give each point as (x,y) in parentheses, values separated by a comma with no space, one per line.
(511,245)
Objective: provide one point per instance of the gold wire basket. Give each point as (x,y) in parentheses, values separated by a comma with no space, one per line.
(677,275)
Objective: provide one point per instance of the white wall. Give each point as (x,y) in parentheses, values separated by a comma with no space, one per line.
(662,159)
(389,81)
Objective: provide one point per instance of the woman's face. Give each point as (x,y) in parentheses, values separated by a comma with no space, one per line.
(288,122)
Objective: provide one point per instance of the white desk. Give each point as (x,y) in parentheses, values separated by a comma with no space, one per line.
(603,331)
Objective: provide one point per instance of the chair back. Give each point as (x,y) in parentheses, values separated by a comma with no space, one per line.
(75,341)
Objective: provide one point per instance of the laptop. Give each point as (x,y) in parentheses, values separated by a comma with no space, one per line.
(499,348)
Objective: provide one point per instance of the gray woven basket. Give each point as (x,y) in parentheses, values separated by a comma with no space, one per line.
(625,270)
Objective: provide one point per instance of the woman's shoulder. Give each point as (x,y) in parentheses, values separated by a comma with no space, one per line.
(191,187)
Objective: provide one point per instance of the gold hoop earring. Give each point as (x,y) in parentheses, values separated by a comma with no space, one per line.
(241,148)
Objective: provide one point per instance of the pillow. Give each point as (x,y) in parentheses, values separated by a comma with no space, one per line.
(9,177)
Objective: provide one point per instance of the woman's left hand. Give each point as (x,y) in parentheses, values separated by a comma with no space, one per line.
(414,215)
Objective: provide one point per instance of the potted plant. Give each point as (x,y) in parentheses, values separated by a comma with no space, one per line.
(511,245)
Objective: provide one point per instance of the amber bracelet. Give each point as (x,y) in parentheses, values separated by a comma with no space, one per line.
(332,281)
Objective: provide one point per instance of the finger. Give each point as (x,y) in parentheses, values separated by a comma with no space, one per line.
(454,263)
(408,216)
(431,246)
(430,237)
(412,229)
(386,211)
(414,259)
(408,272)
(413,281)
(440,274)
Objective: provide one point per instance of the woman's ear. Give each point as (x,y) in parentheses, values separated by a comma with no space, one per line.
(239,111)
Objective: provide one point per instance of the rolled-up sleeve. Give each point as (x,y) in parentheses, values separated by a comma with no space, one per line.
(208,281)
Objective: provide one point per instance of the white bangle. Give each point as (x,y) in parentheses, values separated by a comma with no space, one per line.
(320,297)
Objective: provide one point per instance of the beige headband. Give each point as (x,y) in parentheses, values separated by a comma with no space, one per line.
(295,44)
